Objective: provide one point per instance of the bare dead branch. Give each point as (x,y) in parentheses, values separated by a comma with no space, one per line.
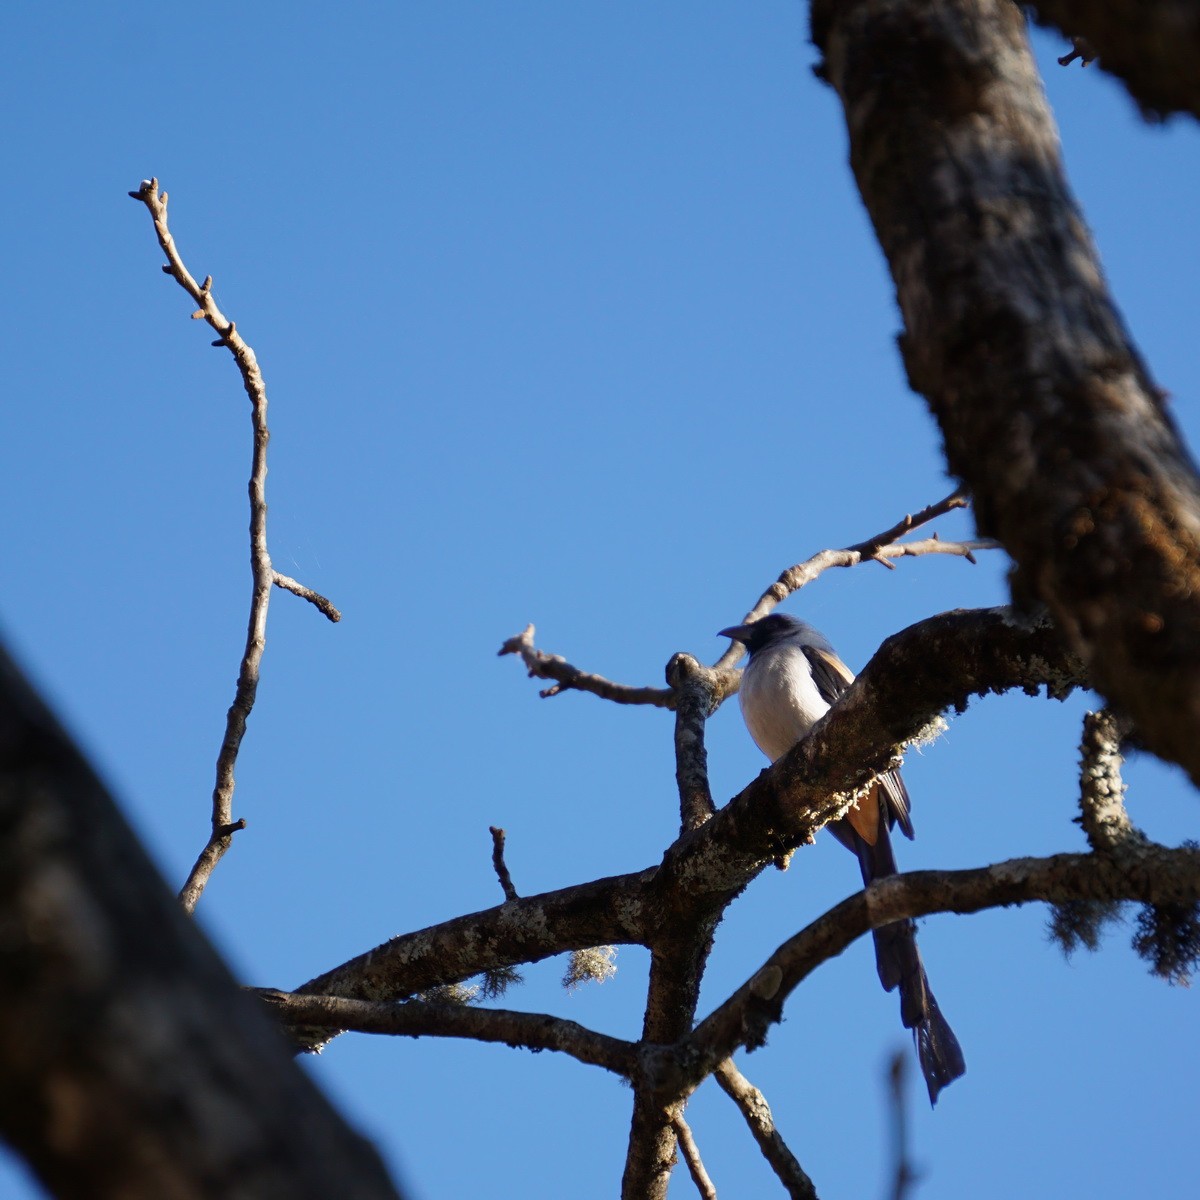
(1046,408)
(498,863)
(1152,46)
(691,1156)
(1150,874)
(416,1018)
(757,1113)
(264,575)
(881,549)
(541,665)
(326,606)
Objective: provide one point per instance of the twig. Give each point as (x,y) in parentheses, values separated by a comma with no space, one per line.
(418,1018)
(541,665)
(757,1112)
(501,868)
(881,549)
(264,575)
(306,593)
(904,1175)
(959,498)
(691,1156)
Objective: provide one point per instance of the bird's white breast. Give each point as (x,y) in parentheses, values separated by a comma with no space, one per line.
(780,701)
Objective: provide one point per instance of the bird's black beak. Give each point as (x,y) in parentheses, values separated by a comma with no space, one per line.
(739,633)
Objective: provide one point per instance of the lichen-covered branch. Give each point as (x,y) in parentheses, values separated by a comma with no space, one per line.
(1101,788)
(1152,875)
(679,952)
(1047,411)
(696,689)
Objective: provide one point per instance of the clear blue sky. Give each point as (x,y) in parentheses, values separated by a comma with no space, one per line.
(571,314)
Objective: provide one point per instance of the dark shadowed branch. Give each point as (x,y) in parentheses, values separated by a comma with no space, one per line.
(904,1174)
(1152,46)
(416,1018)
(498,863)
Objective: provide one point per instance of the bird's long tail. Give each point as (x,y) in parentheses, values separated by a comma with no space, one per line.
(899,964)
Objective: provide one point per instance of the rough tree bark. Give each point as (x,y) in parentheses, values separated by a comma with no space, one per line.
(131,1065)
(1048,413)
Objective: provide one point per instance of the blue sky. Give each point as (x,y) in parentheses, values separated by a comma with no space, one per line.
(568,314)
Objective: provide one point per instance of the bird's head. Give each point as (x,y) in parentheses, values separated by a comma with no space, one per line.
(769,631)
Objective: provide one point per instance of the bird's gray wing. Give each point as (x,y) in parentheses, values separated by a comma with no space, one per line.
(832,678)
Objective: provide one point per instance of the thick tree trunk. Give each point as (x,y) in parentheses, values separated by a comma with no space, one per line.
(131,1065)
(1047,411)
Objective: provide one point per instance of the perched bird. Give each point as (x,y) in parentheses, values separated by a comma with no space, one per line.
(791,681)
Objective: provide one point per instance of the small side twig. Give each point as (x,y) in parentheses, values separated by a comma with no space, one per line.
(541,665)
(501,868)
(753,1106)
(691,1156)
(325,605)
(264,575)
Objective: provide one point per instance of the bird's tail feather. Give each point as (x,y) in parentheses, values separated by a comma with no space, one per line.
(898,962)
